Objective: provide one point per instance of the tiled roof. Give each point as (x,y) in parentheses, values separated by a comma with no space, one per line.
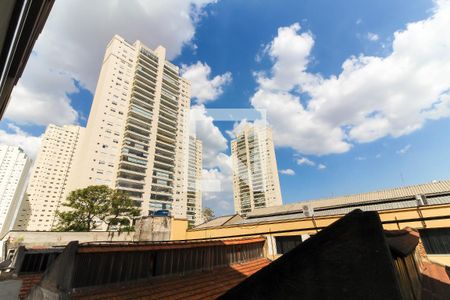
(199,285)
(219,221)
(435,281)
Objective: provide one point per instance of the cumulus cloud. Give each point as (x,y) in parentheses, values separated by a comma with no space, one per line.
(288,172)
(373,37)
(17,137)
(217,186)
(403,150)
(69,49)
(305,161)
(202,126)
(372,97)
(204,88)
(321,167)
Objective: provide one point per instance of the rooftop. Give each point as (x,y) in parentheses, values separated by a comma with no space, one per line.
(403,197)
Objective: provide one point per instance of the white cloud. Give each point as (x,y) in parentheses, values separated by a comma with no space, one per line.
(217,186)
(360,158)
(404,150)
(204,89)
(321,167)
(373,37)
(288,172)
(371,98)
(72,45)
(305,161)
(202,126)
(29,144)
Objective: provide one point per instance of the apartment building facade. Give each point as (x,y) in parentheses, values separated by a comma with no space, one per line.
(47,187)
(255,173)
(136,135)
(14,168)
(194,189)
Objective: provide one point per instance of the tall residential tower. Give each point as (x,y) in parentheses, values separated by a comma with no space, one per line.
(47,187)
(136,136)
(14,167)
(255,173)
(194,192)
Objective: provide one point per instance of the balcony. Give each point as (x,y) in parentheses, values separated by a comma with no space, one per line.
(164,159)
(148,65)
(168,104)
(134,121)
(147,77)
(133,145)
(140,111)
(134,133)
(130,175)
(166,139)
(163,167)
(164,152)
(141,103)
(136,138)
(167,132)
(134,161)
(130,167)
(168,122)
(143,92)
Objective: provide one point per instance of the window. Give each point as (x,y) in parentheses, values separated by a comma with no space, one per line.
(287,243)
(436,240)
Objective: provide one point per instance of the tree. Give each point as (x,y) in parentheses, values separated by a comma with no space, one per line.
(121,212)
(208,214)
(96,203)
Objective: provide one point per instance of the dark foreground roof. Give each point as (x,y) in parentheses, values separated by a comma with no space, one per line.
(350,259)
(198,285)
(150,270)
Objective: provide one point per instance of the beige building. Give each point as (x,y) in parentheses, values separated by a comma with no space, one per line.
(14,168)
(194,192)
(255,172)
(48,181)
(136,135)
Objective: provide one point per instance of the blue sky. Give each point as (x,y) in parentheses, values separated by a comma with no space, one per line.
(367,131)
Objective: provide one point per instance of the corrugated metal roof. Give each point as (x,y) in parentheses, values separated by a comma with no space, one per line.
(215,222)
(389,194)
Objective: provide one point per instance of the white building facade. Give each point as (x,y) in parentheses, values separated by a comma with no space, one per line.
(136,136)
(194,190)
(47,188)
(255,173)
(14,168)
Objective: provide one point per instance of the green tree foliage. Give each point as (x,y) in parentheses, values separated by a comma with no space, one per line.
(208,214)
(121,212)
(94,203)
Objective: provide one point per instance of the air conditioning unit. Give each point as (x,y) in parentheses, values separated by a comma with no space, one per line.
(308,210)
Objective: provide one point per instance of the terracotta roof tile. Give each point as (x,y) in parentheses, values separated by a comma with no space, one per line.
(199,285)
(435,281)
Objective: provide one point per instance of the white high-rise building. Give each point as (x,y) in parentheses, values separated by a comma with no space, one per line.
(136,135)
(14,168)
(255,173)
(47,188)
(194,192)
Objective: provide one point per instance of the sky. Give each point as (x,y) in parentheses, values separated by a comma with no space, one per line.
(357,93)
